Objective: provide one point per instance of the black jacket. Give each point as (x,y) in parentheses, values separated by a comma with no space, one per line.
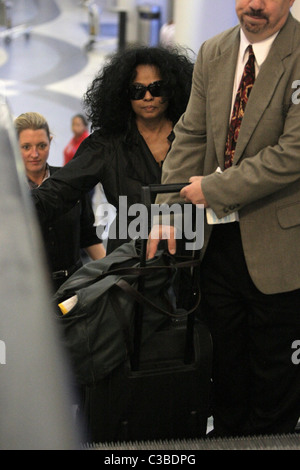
(122,164)
(67,235)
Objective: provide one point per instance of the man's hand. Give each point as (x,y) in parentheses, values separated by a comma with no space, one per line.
(158,233)
(193,192)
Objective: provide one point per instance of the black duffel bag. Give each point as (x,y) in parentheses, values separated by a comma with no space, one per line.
(98,331)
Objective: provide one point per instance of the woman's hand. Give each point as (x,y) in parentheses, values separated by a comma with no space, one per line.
(158,233)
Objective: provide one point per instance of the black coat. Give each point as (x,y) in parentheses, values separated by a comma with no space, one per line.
(65,236)
(122,164)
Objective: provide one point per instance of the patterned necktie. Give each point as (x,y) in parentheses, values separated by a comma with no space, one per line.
(241,99)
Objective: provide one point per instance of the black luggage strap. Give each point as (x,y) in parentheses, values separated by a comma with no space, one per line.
(144,270)
(64,273)
(125,286)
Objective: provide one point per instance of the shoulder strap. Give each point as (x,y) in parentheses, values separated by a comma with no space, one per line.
(143,271)
(141,299)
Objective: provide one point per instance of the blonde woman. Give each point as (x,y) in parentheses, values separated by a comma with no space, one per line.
(67,235)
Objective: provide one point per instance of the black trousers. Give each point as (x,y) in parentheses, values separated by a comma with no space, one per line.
(256,382)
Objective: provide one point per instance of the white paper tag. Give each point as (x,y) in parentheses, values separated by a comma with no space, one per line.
(212,219)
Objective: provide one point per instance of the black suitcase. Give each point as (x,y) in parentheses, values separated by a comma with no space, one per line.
(163,391)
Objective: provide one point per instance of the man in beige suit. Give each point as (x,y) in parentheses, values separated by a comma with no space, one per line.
(251,264)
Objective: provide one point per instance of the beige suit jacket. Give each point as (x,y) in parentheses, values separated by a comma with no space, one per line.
(264,182)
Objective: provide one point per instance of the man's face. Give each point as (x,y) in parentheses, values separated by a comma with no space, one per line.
(261,19)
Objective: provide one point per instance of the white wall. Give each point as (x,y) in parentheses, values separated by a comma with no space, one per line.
(198,20)
(296,10)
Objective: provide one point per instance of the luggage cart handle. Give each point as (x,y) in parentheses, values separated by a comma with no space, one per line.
(167,188)
(148,191)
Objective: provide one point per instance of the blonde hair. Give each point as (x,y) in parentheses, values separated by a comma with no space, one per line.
(31,120)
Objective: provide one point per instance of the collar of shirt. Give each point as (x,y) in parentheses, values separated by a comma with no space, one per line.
(261,50)
(34,185)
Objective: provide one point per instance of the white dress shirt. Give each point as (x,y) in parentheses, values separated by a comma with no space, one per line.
(261,51)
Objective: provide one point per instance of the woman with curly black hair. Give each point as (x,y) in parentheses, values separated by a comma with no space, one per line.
(108,102)
(132,105)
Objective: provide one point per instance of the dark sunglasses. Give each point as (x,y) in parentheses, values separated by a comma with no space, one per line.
(138,91)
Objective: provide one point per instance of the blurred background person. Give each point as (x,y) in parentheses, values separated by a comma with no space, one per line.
(79,126)
(64,238)
(167,34)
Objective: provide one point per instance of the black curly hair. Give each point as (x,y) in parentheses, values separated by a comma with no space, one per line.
(106,102)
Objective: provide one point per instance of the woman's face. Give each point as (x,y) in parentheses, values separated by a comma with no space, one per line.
(35,146)
(149,107)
